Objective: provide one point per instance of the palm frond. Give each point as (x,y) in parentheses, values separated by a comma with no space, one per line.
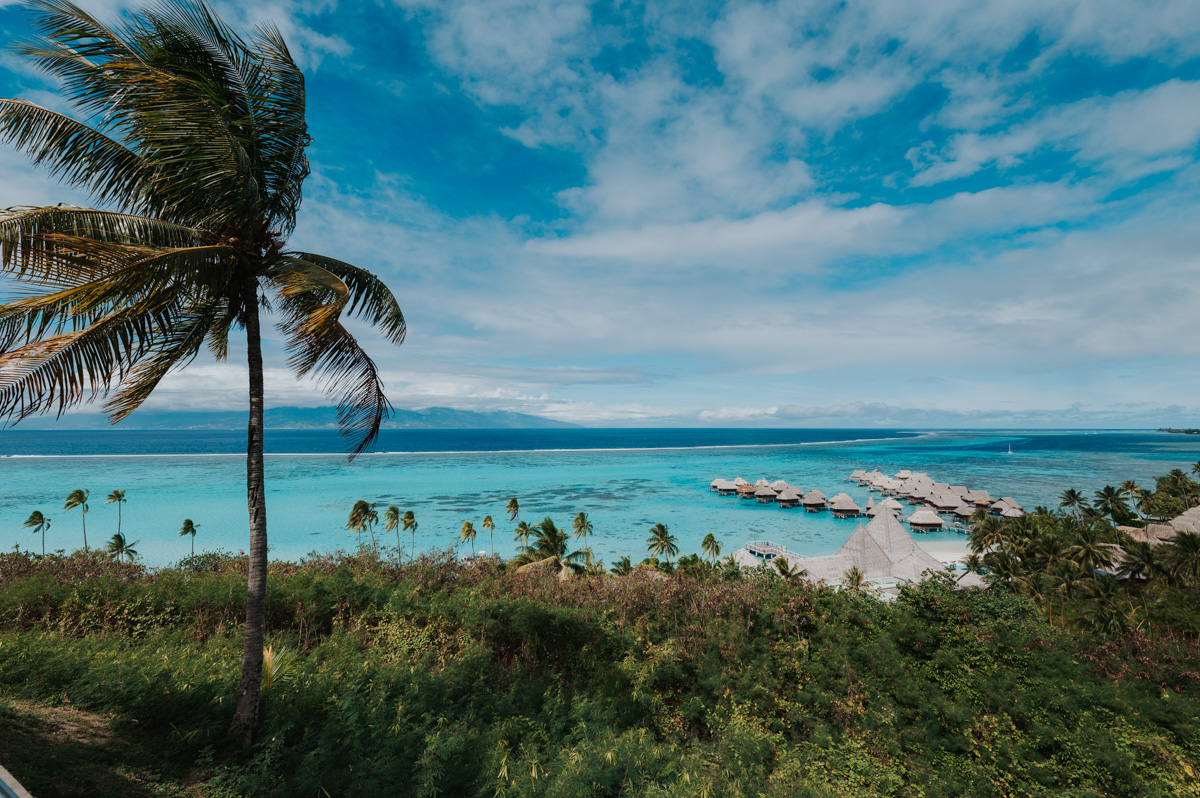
(77,154)
(345,372)
(369,300)
(22,228)
(63,370)
(173,348)
(283,132)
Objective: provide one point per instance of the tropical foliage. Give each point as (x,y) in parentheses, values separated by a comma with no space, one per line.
(438,678)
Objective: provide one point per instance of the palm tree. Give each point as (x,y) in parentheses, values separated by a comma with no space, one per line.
(989,533)
(189,528)
(38,523)
(855,580)
(490,526)
(711,547)
(1089,550)
(1002,566)
(391,523)
(549,550)
(118,547)
(116,497)
(196,150)
(1139,561)
(581,527)
(409,522)
(522,533)
(1182,555)
(1072,499)
(973,564)
(512,508)
(788,571)
(1196,468)
(623,567)
(77,498)
(362,516)
(661,542)
(1110,501)
(468,534)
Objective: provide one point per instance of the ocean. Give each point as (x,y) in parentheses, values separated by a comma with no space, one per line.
(625,480)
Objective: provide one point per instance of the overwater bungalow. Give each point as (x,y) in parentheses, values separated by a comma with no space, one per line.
(715,484)
(843,506)
(981,498)
(905,474)
(1012,512)
(746,491)
(788,498)
(739,482)
(725,487)
(888,505)
(870,504)
(814,501)
(779,485)
(762,483)
(965,511)
(925,520)
(766,494)
(944,502)
(857,475)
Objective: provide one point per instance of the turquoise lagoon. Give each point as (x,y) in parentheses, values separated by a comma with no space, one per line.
(626,480)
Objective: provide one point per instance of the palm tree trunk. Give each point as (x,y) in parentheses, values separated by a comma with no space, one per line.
(245,717)
(84,516)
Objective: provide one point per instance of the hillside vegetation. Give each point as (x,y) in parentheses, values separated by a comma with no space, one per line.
(439,678)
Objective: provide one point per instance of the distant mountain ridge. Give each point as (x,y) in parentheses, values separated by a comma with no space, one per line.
(301,418)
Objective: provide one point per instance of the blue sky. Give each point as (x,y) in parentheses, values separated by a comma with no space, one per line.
(950,213)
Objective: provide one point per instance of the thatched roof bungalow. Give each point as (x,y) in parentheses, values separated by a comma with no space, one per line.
(779,485)
(788,498)
(814,501)
(924,519)
(765,494)
(843,506)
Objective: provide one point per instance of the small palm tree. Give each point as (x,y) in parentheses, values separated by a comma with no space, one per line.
(79,498)
(1072,499)
(38,523)
(490,525)
(512,508)
(1196,468)
(973,564)
(391,523)
(117,497)
(788,571)
(1089,549)
(362,516)
(188,528)
(711,547)
(1140,561)
(855,580)
(581,527)
(623,567)
(549,549)
(1182,556)
(468,534)
(119,547)
(409,522)
(522,533)
(1110,501)
(661,542)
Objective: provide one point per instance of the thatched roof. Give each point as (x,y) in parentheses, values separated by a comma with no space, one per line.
(858,473)
(870,502)
(1013,512)
(788,495)
(925,517)
(762,483)
(746,488)
(740,481)
(965,510)
(779,485)
(842,503)
(766,492)
(813,497)
(905,474)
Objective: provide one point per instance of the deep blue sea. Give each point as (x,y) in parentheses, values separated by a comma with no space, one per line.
(626,480)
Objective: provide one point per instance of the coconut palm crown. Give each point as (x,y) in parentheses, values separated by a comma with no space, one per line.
(190,139)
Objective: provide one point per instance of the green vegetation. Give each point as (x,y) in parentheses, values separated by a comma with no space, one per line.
(438,678)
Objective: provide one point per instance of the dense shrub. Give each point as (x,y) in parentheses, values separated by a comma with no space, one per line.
(439,678)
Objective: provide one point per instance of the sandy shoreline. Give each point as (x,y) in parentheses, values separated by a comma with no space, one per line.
(947,551)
